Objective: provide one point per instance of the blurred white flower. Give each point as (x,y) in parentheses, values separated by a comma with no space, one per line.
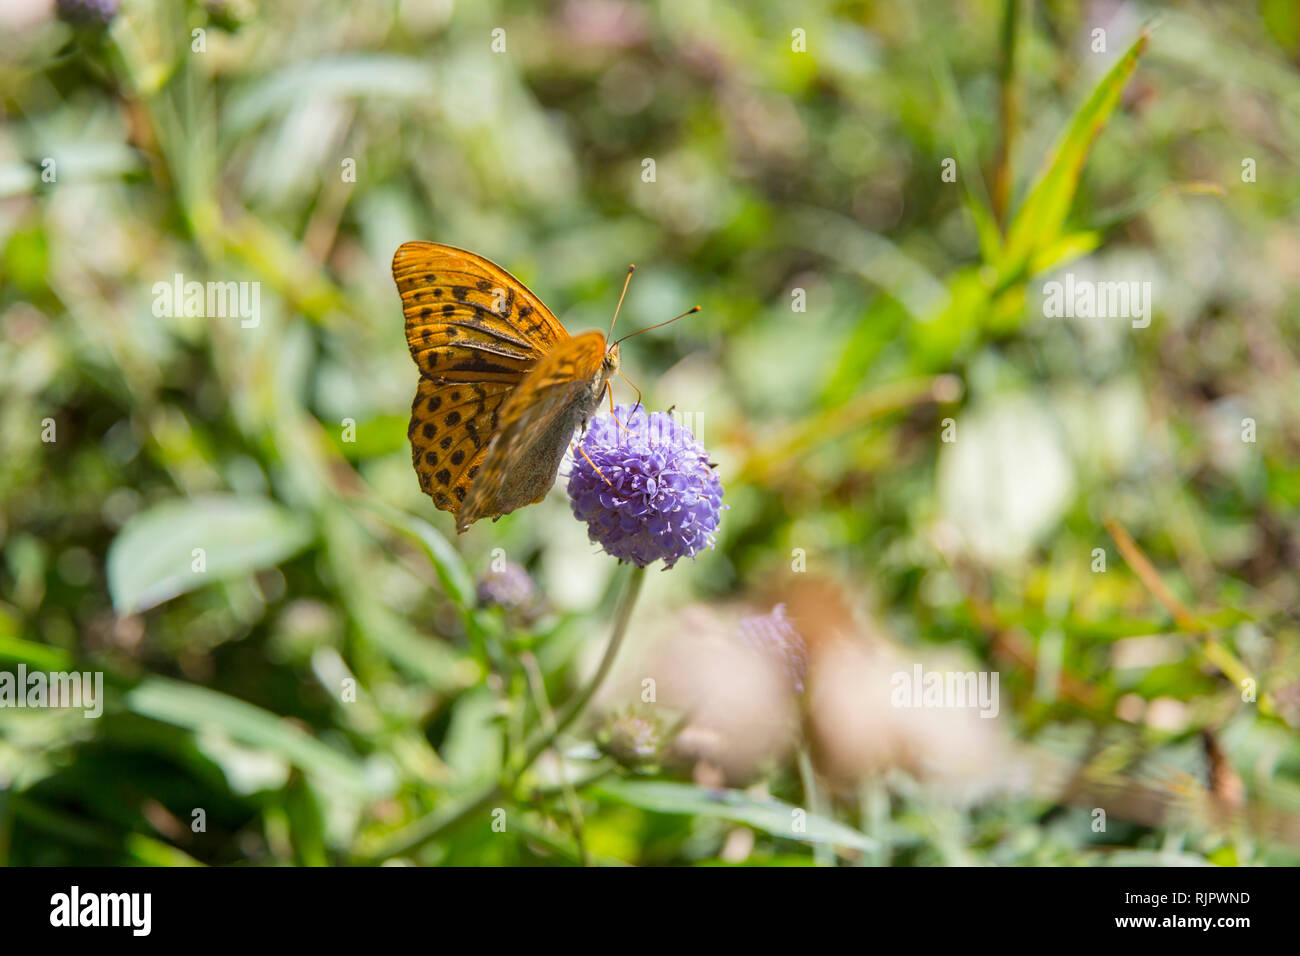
(1006,479)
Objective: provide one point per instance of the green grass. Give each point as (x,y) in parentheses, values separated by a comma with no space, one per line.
(224,520)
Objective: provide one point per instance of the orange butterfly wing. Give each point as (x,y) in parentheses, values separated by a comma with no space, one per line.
(467,319)
(537,422)
(493,359)
(451,427)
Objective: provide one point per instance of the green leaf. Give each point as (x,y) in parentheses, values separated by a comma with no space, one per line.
(770,816)
(199,709)
(42,656)
(153,559)
(1039,221)
(1147,858)
(448,565)
(1064,249)
(357,572)
(153,852)
(1282,18)
(78,830)
(380,77)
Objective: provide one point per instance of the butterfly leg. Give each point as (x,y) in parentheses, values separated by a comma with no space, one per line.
(582,451)
(610,390)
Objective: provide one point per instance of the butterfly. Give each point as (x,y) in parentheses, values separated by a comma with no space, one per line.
(503,387)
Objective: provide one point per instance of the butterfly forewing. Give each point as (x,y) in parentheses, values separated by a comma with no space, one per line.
(467,319)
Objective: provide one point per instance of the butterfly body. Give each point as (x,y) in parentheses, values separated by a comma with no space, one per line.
(503,386)
(540,450)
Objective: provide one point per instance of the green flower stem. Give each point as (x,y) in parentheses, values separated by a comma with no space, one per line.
(576,706)
(537,683)
(430,827)
(822,853)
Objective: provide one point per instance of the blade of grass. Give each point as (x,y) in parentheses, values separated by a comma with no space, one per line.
(969,174)
(1040,219)
(1008,108)
(1144,569)
(1213,650)
(771,816)
(882,400)
(871,256)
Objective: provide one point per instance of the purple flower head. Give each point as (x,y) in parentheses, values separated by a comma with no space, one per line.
(87,13)
(774,634)
(509,588)
(662,500)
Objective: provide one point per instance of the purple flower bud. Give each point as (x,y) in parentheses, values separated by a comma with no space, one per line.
(87,13)
(511,588)
(662,499)
(774,634)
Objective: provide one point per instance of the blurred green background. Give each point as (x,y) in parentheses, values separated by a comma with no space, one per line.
(331,690)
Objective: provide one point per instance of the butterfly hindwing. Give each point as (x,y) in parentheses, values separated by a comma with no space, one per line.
(467,319)
(452,425)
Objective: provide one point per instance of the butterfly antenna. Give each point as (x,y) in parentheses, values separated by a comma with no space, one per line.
(626,282)
(690,311)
